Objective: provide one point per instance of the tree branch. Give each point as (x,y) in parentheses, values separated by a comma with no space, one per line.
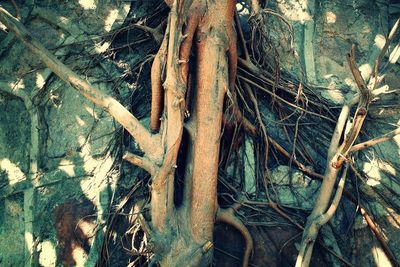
(149,143)
(375,141)
(359,116)
(336,199)
(389,39)
(141,162)
(315,223)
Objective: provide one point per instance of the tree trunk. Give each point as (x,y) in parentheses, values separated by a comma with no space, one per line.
(178,236)
(190,228)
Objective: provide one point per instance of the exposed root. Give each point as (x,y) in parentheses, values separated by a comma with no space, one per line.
(228,216)
(186,46)
(157,73)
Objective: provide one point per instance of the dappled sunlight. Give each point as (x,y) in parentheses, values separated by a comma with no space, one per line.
(79,255)
(395,54)
(89,162)
(366,70)
(335,95)
(330,17)
(3,27)
(372,170)
(92,112)
(110,19)
(48,255)
(243,11)
(295,10)
(67,166)
(29,240)
(102,47)
(350,82)
(393,218)
(386,167)
(14,173)
(88,228)
(396,139)
(88,4)
(380,41)
(92,186)
(80,121)
(380,258)
(272,118)
(40,80)
(380,90)
(18,85)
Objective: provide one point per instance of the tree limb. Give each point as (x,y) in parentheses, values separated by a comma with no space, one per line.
(149,143)
(375,141)
(141,162)
(336,199)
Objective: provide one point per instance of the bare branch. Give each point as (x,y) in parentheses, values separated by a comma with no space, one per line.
(389,39)
(336,199)
(359,116)
(141,162)
(156,33)
(149,143)
(375,141)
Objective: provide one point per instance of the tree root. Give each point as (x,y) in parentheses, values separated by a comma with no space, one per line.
(274,206)
(157,73)
(228,216)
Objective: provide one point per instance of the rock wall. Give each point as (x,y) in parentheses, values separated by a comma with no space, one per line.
(324,32)
(59,206)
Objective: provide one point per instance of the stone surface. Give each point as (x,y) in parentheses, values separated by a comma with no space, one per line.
(291,188)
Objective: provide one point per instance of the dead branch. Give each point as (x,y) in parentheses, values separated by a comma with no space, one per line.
(336,199)
(359,116)
(324,195)
(162,204)
(386,137)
